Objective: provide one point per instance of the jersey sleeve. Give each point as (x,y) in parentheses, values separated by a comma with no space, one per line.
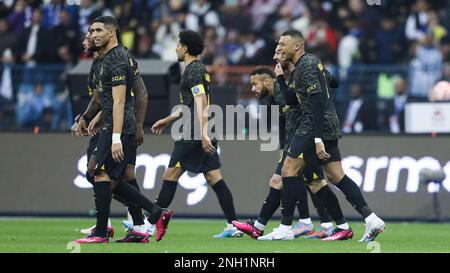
(198,79)
(309,74)
(117,70)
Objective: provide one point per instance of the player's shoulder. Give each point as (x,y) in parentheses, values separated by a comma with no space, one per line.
(308,60)
(117,55)
(197,67)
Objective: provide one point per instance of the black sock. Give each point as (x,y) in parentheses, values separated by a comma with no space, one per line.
(134,209)
(332,204)
(166,193)
(324,216)
(103,198)
(271,204)
(225,200)
(291,186)
(353,194)
(130,193)
(302,201)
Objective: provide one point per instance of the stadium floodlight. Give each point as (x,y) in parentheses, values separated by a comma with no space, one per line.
(428,176)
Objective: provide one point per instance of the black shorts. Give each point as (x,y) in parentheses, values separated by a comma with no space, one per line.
(92,147)
(332,148)
(104,158)
(312,171)
(302,147)
(190,156)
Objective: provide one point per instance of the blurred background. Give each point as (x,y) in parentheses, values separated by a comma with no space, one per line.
(393,62)
(385,56)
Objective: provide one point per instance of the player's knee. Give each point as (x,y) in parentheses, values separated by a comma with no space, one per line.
(101,176)
(213,177)
(276,182)
(316,185)
(129,173)
(91,168)
(172,174)
(289,169)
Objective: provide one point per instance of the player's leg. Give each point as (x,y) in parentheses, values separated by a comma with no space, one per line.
(304,226)
(270,205)
(326,225)
(215,180)
(169,186)
(343,231)
(353,194)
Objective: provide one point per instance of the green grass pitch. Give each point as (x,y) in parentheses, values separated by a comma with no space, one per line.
(51,235)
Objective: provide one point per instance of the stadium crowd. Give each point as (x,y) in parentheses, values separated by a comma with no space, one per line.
(47,34)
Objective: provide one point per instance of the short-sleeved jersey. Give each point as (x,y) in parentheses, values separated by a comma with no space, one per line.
(117,68)
(308,78)
(94,73)
(195,81)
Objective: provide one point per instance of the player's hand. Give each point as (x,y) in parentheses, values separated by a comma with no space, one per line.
(321,153)
(207,145)
(139,135)
(74,127)
(159,126)
(117,152)
(92,130)
(279,70)
(82,127)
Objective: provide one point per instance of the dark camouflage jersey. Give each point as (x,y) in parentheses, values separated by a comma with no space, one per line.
(306,80)
(287,122)
(117,68)
(195,80)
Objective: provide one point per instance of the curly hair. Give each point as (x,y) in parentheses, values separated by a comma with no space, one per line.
(193,41)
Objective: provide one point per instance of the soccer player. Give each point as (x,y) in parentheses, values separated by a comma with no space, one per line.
(136,232)
(116,147)
(191,154)
(265,85)
(317,134)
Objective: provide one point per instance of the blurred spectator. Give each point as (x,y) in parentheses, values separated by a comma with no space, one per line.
(434,27)
(321,40)
(232,47)
(30,111)
(7,37)
(361,113)
(417,22)
(18,18)
(211,45)
(388,41)
(66,38)
(253,48)
(6,85)
(396,107)
(445,48)
(348,49)
(200,15)
(426,68)
(51,13)
(167,39)
(144,48)
(33,45)
(87,12)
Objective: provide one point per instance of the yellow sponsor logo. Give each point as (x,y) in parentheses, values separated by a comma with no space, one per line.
(311,88)
(207,78)
(320,65)
(118,78)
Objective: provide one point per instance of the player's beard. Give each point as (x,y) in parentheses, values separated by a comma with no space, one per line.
(264,93)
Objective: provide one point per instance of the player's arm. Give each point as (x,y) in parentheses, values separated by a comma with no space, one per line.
(93,125)
(118,94)
(140,108)
(201,105)
(310,74)
(92,110)
(159,126)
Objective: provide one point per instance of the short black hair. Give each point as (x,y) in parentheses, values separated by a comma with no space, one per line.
(263,70)
(109,21)
(193,41)
(294,34)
